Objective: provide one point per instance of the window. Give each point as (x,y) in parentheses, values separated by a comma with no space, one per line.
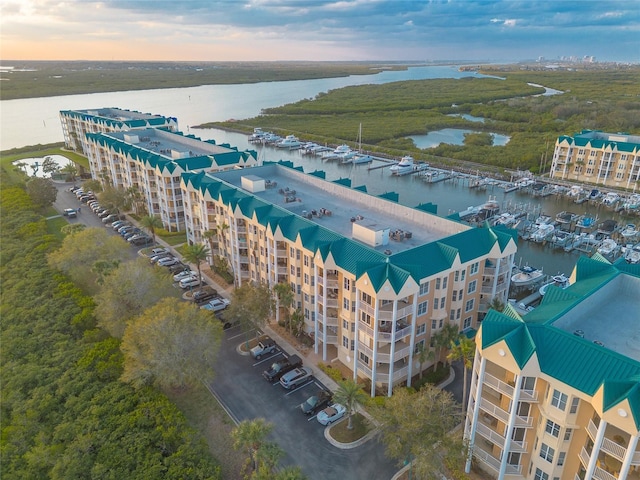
(353,345)
(438,284)
(469,305)
(423,307)
(552,428)
(442,300)
(559,400)
(424,288)
(366,318)
(345,324)
(353,326)
(345,341)
(306,313)
(441,323)
(366,298)
(444,282)
(364,358)
(467,321)
(540,475)
(474,268)
(452,314)
(454,296)
(347,284)
(458,312)
(306,260)
(561,456)
(292,252)
(306,279)
(434,324)
(346,304)
(306,298)
(421,329)
(456,276)
(567,434)
(547,452)
(298,272)
(472,286)
(575,401)
(462,275)
(436,304)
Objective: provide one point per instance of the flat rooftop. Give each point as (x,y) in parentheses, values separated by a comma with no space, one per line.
(118,114)
(169,144)
(303,194)
(610,315)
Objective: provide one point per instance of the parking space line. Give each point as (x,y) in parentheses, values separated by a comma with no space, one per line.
(312,417)
(238,335)
(272,356)
(300,387)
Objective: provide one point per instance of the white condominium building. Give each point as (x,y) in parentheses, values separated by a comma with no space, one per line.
(77,123)
(611,159)
(555,394)
(374,280)
(151,161)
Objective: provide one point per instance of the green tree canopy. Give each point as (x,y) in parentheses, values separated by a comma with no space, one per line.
(151,223)
(80,251)
(115,198)
(128,291)
(250,435)
(251,305)
(463,349)
(196,253)
(172,345)
(416,428)
(42,191)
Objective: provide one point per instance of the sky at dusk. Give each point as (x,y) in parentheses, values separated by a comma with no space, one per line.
(347,30)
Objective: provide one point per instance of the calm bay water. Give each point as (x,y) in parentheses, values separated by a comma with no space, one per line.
(33,121)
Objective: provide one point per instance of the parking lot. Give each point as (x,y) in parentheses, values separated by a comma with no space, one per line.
(245,394)
(240,387)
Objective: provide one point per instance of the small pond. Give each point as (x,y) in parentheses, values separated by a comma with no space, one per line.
(466,116)
(34,166)
(452,136)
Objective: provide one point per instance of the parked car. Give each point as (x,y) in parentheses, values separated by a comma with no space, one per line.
(315,403)
(216,304)
(296,377)
(126,228)
(331,414)
(119,223)
(73,188)
(183,274)
(93,203)
(189,282)
(110,219)
(264,347)
(131,233)
(87,198)
(159,256)
(105,212)
(70,212)
(179,267)
(281,367)
(167,261)
(225,322)
(158,251)
(204,295)
(142,239)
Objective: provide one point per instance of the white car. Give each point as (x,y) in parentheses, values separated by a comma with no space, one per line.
(167,261)
(188,282)
(216,304)
(158,251)
(184,274)
(331,414)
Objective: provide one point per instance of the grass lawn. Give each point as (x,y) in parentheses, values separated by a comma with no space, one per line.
(54,225)
(205,415)
(173,239)
(342,434)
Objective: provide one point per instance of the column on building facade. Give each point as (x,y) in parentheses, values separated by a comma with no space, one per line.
(412,338)
(631,180)
(273,245)
(392,348)
(510,426)
(595,452)
(324,313)
(374,360)
(175,204)
(628,457)
(356,333)
(234,250)
(272,278)
(477,380)
(315,308)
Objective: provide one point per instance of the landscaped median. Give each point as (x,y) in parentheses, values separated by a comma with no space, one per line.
(341,437)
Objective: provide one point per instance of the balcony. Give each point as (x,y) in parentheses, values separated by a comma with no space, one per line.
(490,434)
(494,463)
(530,396)
(329,321)
(610,447)
(332,282)
(384,352)
(503,415)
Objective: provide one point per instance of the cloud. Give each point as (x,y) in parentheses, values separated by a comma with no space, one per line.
(324,29)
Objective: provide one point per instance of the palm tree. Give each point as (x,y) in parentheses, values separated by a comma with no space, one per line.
(197,254)
(290,473)
(151,222)
(249,435)
(444,337)
(496,304)
(209,236)
(284,298)
(423,355)
(349,394)
(464,349)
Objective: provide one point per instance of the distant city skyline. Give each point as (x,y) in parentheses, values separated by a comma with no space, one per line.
(339,30)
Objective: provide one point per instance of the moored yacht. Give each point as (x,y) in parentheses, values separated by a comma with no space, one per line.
(526,276)
(406,165)
(290,141)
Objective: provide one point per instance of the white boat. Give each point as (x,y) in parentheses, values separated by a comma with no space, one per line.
(257,135)
(347,157)
(610,199)
(607,247)
(543,232)
(575,191)
(290,142)
(558,280)
(360,158)
(543,220)
(629,231)
(632,255)
(526,276)
(632,203)
(406,165)
(506,219)
(340,149)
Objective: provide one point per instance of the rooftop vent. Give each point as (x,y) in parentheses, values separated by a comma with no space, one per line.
(579,333)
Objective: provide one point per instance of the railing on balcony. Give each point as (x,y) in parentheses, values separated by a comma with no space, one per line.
(490,434)
(503,415)
(601,474)
(487,459)
(386,312)
(332,282)
(584,457)
(498,385)
(329,321)
(635,460)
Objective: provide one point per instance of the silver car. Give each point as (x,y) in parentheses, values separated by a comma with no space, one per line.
(295,377)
